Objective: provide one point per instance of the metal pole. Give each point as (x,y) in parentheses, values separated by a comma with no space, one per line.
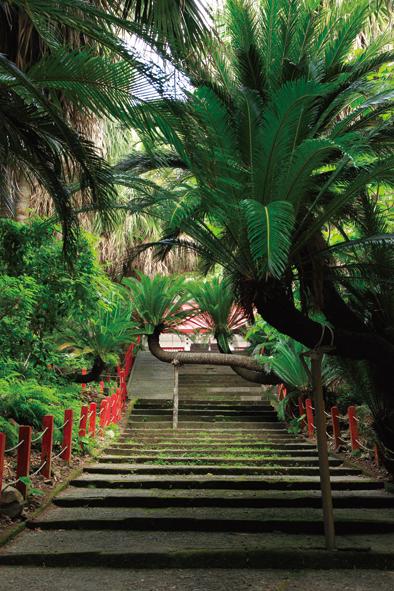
(175,402)
(321,427)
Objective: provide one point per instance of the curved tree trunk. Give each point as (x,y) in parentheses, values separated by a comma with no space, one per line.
(93,375)
(187,358)
(257,377)
(349,338)
(277,308)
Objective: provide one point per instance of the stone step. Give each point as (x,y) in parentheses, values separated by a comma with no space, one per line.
(207,469)
(151,497)
(206,408)
(215,519)
(166,419)
(226,385)
(210,391)
(213,432)
(190,579)
(213,460)
(217,398)
(207,405)
(229,481)
(142,549)
(167,437)
(205,415)
(212,446)
(213,451)
(224,424)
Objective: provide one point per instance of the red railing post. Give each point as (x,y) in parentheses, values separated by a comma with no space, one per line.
(113,408)
(83,421)
(67,435)
(301,410)
(376,453)
(84,372)
(108,411)
(118,404)
(309,417)
(121,404)
(353,428)
(102,385)
(336,430)
(2,451)
(123,386)
(116,407)
(92,419)
(129,359)
(23,458)
(46,445)
(103,416)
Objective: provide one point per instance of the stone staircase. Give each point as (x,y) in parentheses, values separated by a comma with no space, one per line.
(230,488)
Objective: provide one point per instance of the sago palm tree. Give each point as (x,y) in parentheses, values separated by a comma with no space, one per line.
(282,134)
(103,336)
(162,304)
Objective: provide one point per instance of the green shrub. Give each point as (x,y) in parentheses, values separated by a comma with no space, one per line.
(27,402)
(10,430)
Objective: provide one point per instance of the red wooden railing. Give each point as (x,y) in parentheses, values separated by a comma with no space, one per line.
(91,423)
(307,423)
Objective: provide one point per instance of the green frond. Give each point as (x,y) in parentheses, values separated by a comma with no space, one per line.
(92,82)
(176,22)
(269,230)
(215,299)
(243,25)
(105,334)
(380,172)
(347,26)
(286,121)
(158,302)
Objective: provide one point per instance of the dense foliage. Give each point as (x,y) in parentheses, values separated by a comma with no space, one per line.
(42,301)
(39,291)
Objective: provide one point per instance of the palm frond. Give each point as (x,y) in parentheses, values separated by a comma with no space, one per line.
(269,229)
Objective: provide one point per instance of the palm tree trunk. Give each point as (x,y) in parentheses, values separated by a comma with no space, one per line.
(93,375)
(186,358)
(22,199)
(276,307)
(350,339)
(255,377)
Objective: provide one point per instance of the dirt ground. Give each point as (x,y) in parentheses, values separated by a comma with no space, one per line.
(81,579)
(60,472)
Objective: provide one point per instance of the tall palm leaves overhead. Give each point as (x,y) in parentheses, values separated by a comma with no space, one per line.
(78,53)
(180,22)
(36,138)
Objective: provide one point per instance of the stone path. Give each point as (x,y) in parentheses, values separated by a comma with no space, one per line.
(230,489)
